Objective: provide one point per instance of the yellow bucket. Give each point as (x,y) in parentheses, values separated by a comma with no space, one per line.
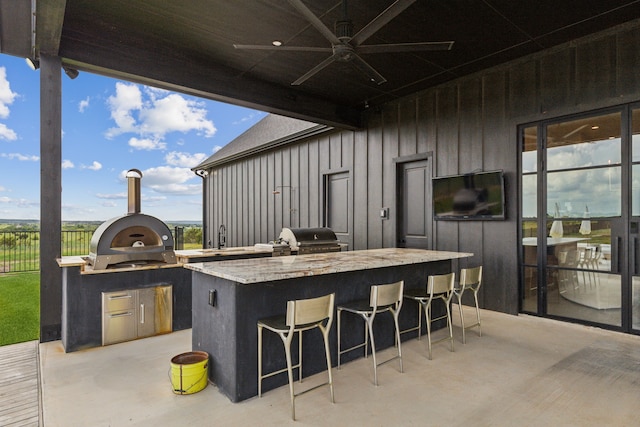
(189,373)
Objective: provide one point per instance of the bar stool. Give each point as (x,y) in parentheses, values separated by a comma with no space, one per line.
(470,278)
(381,298)
(439,287)
(302,315)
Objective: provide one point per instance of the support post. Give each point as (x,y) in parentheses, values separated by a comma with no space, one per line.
(50,197)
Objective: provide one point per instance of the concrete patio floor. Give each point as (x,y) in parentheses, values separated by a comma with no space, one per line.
(524,371)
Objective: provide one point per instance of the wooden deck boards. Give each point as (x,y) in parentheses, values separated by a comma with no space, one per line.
(19,385)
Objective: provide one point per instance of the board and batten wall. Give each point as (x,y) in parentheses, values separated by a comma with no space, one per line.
(466,125)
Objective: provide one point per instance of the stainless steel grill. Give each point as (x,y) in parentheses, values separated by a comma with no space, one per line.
(310,240)
(133,239)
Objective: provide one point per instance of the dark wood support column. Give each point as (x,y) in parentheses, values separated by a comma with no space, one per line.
(50,197)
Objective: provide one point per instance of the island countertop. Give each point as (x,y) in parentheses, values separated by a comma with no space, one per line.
(248,271)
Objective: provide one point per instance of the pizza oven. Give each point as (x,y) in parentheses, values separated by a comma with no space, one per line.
(134,239)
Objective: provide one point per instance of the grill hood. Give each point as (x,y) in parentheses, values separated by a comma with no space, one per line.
(131,239)
(310,240)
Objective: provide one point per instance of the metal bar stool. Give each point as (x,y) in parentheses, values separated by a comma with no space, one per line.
(439,287)
(381,298)
(302,315)
(470,278)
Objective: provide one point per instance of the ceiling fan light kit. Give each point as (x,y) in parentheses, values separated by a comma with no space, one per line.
(347,47)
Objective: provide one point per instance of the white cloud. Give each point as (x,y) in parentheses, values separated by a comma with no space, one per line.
(83,105)
(250,118)
(185,160)
(21,203)
(6,94)
(217,148)
(147,144)
(6,133)
(108,204)
(67,164)
(2,188)
(169,180)
(128,98)
(160,113)
(95,166)
(21,157)
(175,113)
(7,97)
(113,196)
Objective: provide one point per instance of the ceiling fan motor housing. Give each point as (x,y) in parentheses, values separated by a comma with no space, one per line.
(344,30)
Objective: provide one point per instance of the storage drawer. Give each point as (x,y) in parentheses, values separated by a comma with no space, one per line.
(118,301)
(118,326)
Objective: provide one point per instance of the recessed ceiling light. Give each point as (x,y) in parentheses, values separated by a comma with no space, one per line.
(276,43)
(595,127)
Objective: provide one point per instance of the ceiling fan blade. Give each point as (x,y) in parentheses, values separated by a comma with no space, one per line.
(380,21)
(315,21)
(275,48)
(367,69)
(315,70)
(404,47)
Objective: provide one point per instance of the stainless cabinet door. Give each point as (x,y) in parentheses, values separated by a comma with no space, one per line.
(146,312)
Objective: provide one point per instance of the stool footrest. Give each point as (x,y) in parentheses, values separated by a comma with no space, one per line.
(280,371)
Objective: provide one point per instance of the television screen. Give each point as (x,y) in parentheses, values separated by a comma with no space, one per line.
(477,195)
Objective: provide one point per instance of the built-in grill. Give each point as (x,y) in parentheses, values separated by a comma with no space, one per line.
(134,239)
(310,240)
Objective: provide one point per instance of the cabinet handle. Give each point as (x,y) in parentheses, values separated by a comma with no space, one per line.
(120,296)
(128,313)
(141,313)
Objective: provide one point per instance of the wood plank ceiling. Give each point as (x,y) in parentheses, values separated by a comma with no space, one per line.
(189,45)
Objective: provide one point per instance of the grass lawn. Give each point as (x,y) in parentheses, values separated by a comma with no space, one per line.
(19,307)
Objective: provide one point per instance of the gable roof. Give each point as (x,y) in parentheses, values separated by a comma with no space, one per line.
(270,132)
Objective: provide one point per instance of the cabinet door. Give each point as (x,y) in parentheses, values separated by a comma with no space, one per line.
(155,311)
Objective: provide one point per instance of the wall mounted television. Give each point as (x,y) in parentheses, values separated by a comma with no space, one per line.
(472,196)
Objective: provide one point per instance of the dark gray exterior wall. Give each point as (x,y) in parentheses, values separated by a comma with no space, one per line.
(466,125)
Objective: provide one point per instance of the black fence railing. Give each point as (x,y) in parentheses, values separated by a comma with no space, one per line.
(20,250)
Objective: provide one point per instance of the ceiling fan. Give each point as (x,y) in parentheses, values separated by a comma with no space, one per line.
(346,46)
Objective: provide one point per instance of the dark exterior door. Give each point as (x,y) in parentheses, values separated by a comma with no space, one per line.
(337,206)
(414,204)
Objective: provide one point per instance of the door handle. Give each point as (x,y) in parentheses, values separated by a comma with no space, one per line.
(634,255)
(619,251)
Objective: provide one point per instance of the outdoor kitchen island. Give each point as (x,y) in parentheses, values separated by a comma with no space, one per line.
(230,296)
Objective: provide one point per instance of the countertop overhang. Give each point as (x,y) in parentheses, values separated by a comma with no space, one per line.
(248,271)
(183,257)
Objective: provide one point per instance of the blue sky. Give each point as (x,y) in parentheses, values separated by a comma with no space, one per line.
(108,127)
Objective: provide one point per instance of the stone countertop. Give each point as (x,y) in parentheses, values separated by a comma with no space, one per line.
(183,257)
(247,271)
(190,254)
(86,268)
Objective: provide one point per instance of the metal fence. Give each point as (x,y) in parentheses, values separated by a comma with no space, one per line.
(20,250)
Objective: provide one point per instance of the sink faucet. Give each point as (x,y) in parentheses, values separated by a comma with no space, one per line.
(222,236)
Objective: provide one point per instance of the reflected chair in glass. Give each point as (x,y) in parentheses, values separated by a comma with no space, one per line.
(439,287)
(572,260)
(470,278)
(382,298)
(302,315)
